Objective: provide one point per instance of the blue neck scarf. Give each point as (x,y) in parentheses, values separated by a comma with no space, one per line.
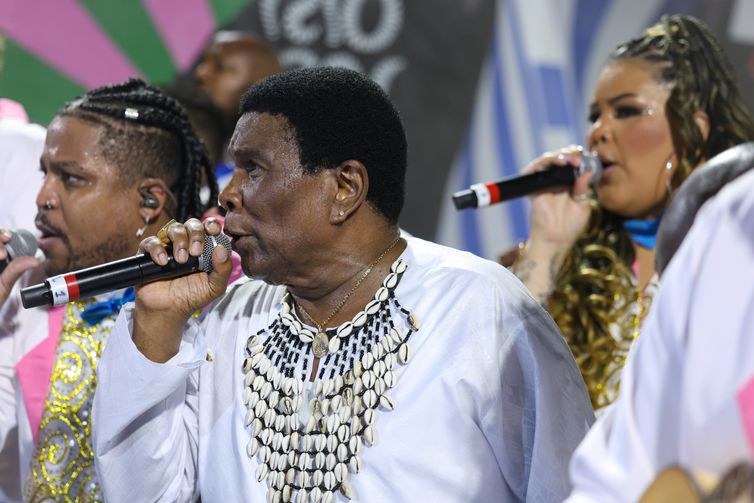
(98,311)
(643,232)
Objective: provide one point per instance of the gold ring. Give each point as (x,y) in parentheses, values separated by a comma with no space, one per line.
(580,197)
(162,234)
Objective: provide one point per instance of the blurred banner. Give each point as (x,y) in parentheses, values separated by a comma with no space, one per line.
(483,86)
(532,96)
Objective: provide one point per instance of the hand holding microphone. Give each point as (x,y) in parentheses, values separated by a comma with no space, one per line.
(164,307)
(18,253)
(558,218)
(550,175)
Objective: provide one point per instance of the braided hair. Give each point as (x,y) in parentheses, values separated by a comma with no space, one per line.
(148,134)
(595,290)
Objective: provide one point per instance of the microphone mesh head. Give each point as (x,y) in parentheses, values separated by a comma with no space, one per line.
(590,162)
(22,243)
(210,242)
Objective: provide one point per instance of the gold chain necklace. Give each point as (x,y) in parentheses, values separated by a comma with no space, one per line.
(320,342)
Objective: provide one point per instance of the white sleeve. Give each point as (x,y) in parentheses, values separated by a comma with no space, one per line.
(638,436)
(10,487)
(145,419)
(541,409)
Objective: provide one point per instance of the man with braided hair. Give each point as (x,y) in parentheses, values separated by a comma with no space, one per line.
(120,157)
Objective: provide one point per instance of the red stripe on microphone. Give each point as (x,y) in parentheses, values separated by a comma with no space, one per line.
(73,286)
(494,192)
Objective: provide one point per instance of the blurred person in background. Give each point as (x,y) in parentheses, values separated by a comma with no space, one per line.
(233,61)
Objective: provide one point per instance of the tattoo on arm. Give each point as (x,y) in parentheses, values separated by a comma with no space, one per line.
(552,267)
(523,268)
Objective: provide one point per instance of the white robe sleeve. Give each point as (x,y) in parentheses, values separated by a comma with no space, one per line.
(145,422)
(668,395)
(10,488)
(544,410)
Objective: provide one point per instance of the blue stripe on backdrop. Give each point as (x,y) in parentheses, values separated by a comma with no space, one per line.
(585,25)
(677,7)
(505,148)
(469,223)
(549,93)
(556,102)
(532,86)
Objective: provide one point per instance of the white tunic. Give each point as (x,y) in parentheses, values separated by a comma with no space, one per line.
(489,408)
(687,393)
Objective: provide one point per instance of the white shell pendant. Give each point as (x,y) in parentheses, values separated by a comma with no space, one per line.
(390,281)
(399,266)
(333,345)
(306,336)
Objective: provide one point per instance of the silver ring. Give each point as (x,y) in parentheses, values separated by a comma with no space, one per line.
(580,197)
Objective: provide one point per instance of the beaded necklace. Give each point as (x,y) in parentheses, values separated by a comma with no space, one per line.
(321,342)
(306,453)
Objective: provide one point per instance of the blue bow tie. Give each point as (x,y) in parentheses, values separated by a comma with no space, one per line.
(98,311)
(643,232)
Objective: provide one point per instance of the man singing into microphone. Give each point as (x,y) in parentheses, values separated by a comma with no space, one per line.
(118,163)
(357,364)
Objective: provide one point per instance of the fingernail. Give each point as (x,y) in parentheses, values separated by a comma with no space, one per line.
(182,255)
(162,258)
(196,248)
(222,254)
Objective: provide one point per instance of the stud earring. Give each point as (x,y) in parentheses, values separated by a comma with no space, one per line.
(341,213)
(669,170)
(48,205)
(140,231)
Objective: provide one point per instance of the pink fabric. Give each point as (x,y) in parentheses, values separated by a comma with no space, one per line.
(184,25)
(64,35)
(35,368)
(746,408)
(9,109)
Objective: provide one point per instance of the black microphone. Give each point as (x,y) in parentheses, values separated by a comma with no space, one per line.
(64,288)
(22,244)
(484,194)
